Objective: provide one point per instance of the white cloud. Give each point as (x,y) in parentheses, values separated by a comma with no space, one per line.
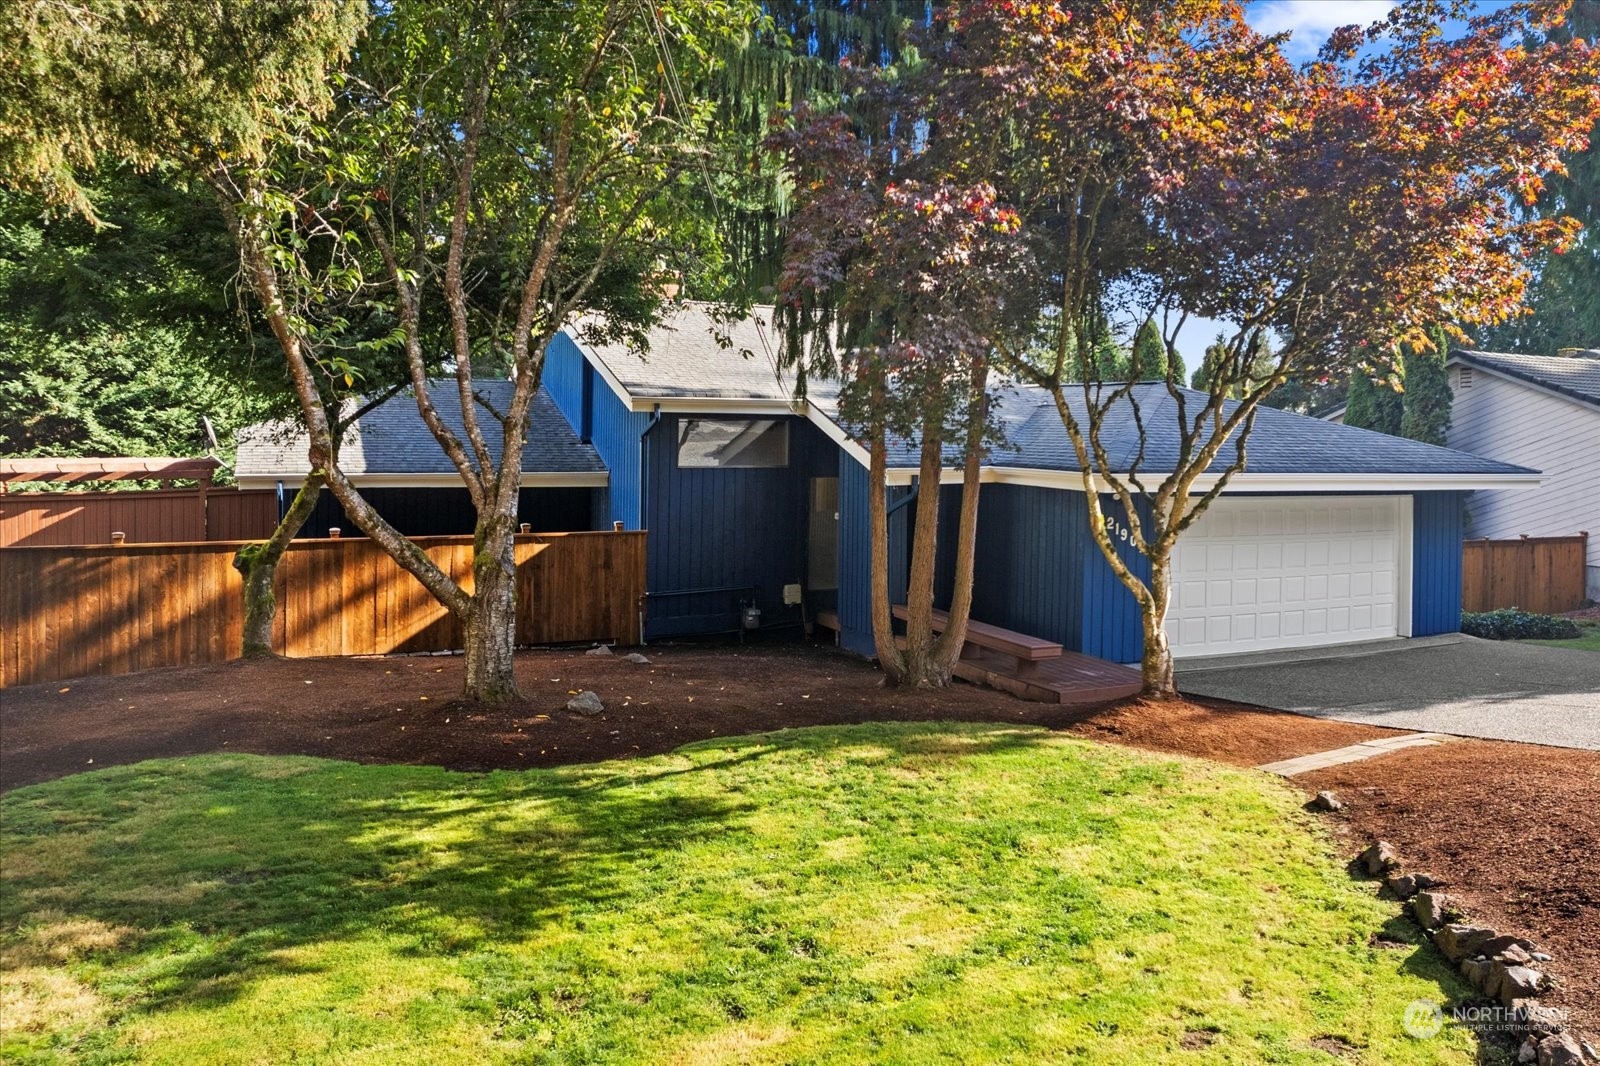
(1310,21)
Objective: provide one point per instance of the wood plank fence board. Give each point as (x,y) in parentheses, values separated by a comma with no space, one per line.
(1540,574)
(73,611)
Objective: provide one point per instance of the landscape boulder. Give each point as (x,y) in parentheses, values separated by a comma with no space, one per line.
(1327,801)
(635,658)
(585,702)
(1476,973)
(1560,1049)
(1401,886)
(1511,983)
(1431,910)
(1457,942)
(1497,945)
(1379,859)
(603,651)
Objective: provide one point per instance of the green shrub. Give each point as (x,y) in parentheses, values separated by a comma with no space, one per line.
(1512,623)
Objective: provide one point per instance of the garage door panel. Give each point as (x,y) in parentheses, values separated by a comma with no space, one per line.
(1254,574)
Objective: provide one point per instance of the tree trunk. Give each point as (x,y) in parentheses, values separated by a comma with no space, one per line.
(923,668)
(948,651)
(491,618)
(259,565)
(1156,666)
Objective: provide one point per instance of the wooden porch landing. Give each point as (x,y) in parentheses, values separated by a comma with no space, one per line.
(1067,678)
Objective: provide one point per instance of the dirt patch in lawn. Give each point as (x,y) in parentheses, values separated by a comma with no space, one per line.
(1513,828)
(1518,824)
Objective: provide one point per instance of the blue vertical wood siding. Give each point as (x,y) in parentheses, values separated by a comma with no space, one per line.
(1112,626)
(855,557)
(715,528)
(1436,532)
(614,430)
(1029,571)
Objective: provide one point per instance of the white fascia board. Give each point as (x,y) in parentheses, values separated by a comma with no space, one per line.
(836,433)
(587,479)
(604,371)
(713,405)
(1283,483)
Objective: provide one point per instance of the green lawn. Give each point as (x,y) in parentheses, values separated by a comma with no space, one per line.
(887,894)
(1588,641)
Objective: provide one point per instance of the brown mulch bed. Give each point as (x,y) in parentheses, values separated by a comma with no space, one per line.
(1514,827)
(1514,830)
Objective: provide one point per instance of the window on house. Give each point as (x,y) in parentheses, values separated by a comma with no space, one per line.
(732,442)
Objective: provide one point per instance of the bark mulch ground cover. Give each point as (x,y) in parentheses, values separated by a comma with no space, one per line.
(1514,828)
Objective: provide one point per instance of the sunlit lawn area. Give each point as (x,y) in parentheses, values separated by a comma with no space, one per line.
(900,893)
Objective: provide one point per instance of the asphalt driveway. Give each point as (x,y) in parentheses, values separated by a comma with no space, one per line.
(1462,685)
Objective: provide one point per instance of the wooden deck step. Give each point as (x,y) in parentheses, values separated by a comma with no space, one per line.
(1069,678)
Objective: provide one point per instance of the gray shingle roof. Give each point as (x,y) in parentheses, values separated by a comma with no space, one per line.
(392,439)
(694,354)
(1575,376)
(1281,442)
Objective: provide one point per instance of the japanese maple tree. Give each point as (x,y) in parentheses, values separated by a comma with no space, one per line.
(1166,160)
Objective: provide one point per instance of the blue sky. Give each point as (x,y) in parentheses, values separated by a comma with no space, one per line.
(1309,22)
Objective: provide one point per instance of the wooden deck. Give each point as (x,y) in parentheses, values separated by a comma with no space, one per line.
(1070,677)
(1049,675)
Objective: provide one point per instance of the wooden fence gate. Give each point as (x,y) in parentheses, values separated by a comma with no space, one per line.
(1540,574)
(77,611)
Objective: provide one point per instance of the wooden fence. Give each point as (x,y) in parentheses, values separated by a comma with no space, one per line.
(158,517)
(75,611)
(1540,574)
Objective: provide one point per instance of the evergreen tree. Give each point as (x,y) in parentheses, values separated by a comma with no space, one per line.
(1373,405)
(1150,355)
(1426,403)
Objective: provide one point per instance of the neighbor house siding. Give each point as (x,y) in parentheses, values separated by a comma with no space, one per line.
(614,430)
(1517,423)
(1436,521)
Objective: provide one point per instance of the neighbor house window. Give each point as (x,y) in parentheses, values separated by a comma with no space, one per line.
(733,442)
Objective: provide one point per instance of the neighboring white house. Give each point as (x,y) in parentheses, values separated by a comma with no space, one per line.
(1537,411)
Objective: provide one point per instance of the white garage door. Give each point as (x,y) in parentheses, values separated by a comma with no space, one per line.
(1257,574)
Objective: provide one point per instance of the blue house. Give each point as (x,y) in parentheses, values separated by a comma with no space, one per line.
(753,500)
(1332,535)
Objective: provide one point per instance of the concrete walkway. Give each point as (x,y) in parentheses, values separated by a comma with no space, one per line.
(1367,749)
(1499,690)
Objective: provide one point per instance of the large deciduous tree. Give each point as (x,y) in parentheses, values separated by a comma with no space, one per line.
(1166,157)
(506,166)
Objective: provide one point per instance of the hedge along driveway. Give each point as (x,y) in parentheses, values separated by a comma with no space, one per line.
(899,893)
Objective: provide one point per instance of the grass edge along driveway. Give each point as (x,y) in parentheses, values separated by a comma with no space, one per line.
(893,893)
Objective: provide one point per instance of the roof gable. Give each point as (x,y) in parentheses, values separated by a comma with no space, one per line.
(1577,377)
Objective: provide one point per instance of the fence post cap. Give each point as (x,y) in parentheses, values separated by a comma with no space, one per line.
(333,532)
(616,527)
(525,528)
(119,538)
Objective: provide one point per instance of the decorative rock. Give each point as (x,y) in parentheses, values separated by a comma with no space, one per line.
(1379,859)
(1590,1050)
(603,651)
(1429,910)
(585,702)
(1457,942)
(1327,801)
(1560,1049)
(1401,886)
(636,658)
(1476,972)
(1540,956)
(1427,881)
(1511,983)
(1495,945)
(1514,955)
(1528,1051)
